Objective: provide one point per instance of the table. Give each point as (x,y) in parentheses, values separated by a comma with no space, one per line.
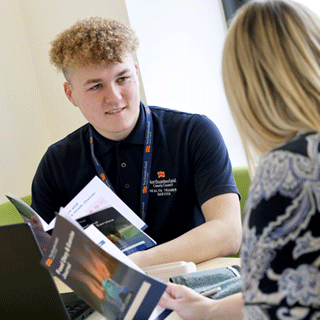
(207,265)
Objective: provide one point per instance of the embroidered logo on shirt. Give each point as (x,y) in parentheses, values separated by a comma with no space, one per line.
(161,174)
(162,186)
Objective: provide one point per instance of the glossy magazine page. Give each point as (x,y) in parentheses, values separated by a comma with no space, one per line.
(119,230)
(109,285)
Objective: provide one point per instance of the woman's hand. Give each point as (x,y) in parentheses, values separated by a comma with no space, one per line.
(187,303)
(193,306)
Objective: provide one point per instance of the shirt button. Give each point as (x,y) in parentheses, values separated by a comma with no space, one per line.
(123,164)
(127,185)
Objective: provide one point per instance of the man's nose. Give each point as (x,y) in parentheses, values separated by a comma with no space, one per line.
(112,94)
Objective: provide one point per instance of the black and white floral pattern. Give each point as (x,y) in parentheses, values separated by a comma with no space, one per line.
(281,241)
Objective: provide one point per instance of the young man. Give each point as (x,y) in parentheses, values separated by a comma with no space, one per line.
(171,168)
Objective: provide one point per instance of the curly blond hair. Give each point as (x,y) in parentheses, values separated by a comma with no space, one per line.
(94,40)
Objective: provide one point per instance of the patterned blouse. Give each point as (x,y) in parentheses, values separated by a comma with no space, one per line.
(280,253)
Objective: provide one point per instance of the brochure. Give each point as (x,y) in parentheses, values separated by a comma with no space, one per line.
(95,204)
(115,289)
(97,195)
(39,226)
(26,211)
(97,237)
(119,230)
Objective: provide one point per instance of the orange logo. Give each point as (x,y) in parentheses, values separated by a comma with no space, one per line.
(103,177)
(148,110)
(91,139)
(148,149)
(144,190)
(161,174)
(49,262)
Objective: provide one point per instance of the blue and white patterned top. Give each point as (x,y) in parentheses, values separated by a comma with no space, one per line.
(280,253)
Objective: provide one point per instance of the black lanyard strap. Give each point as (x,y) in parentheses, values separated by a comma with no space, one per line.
(146,164)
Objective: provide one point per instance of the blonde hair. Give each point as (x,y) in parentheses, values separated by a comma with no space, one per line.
(94,40)
(271,73)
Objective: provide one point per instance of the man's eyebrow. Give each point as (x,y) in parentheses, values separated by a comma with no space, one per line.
(123,72)
(91,81)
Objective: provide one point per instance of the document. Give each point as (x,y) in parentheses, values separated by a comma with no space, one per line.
(97,237)
(119,230)
(95,204)
(39,226)
(97,195)
(102,275)
(26,211)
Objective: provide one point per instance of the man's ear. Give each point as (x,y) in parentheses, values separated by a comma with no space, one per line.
(69,93)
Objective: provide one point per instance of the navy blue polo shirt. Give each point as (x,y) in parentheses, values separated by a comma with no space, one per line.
(190,165)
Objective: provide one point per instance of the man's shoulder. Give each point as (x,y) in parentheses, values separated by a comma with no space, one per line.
(176,126)
(75,138)
(169,111)
(72,144)
(174,115)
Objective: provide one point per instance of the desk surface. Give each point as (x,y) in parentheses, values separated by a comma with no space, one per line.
(210,264)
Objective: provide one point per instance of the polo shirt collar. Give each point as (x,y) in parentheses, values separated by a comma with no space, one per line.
(103,145)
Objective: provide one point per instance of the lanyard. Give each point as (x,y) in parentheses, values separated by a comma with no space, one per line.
(146,164)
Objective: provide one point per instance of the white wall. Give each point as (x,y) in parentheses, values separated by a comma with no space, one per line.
(180,56)
(311,4)
(21,118)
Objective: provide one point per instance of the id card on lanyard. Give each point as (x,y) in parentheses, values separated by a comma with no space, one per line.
(146,164)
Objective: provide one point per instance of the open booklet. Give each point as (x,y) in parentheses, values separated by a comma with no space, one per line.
(99,205)
(119,230)
(102,275)
(30,216)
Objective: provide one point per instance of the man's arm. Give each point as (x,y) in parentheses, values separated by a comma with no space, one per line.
(220,236)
